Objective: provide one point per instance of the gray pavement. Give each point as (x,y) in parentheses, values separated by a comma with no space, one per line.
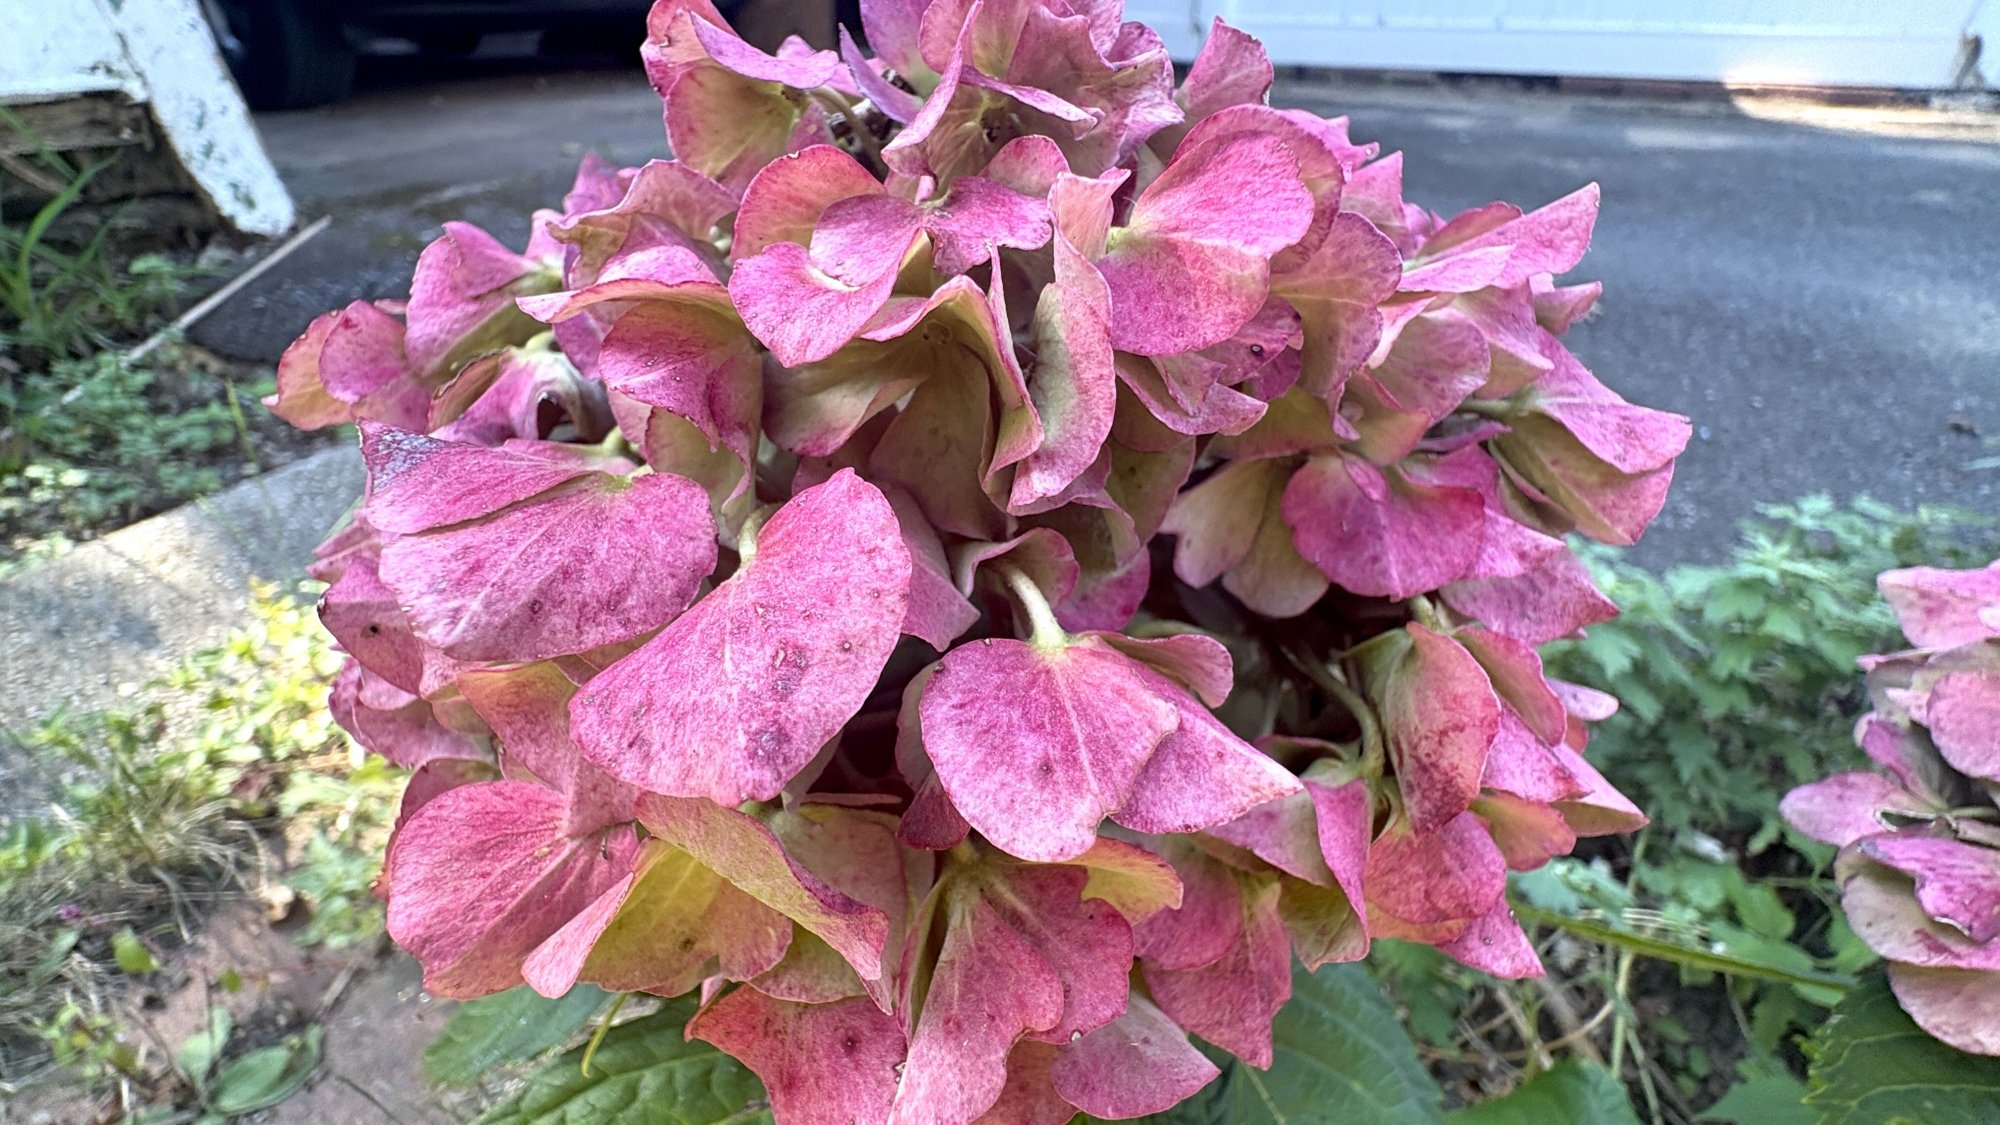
(1822,295)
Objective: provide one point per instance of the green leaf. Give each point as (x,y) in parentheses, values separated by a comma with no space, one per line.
(643,1072)
(131,954)
(1872,1065)
(262,1079)
(510,1027)
(197,1056)
(1572,1092)
(1341,1055)
(1767,1099)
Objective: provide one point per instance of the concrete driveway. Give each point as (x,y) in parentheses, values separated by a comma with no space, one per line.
(1820,292)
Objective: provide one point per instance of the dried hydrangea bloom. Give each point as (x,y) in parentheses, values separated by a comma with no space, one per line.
(987,558)
(1919,837)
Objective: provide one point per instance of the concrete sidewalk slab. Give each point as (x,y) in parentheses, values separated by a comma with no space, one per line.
(123,608)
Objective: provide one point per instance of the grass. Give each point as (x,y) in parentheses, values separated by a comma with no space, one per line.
(202,788)
(89,439)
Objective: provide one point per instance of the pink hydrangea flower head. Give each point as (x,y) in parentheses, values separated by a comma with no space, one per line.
(987,558)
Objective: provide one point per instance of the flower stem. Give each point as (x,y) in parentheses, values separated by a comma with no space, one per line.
(1045,631)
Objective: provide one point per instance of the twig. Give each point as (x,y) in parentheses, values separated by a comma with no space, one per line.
(215,300)
(32,176)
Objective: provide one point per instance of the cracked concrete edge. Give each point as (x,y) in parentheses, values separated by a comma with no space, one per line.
(122,609)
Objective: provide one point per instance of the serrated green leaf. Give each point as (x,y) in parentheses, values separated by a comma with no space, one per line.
(1872,1065)
(1341,1055)
(644,1073)
(262,1079)
(508,1027)
(1767,1099)
(1572,1092)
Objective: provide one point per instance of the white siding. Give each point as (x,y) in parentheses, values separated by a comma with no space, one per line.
(1902,43)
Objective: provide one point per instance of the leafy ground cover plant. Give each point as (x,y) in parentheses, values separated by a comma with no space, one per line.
(975,566)
(1919,834)
(197,790)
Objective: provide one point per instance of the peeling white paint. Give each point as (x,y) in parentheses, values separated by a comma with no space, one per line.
(159,52)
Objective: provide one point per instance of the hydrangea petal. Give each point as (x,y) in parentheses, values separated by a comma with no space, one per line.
(599,561)
(1849,806)
(1955,882)
(1940,608)
(741,691)
(1191,266)
(822,1064)
(1137,1064)
(1963,714)
(665,927)
(1380,534)
(1885,914)
(483,873)
(1231,1001)
(1036,746)
(1954,1005)
(1495,944)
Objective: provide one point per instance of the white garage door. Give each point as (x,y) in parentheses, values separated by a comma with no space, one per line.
(1917,44)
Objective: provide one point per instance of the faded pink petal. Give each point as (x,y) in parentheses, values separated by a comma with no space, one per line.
(520,393)
(1022,954)
(1551,597)
(1528,833)
(1071,382)
(1494,944)
(1337,290)
(1936,608)
(528,709)
(362,613)
(1955,1005)
(1435,362)
(1608,505)
(1883,909)
(1515,670)
(664,928)
(462,298)
(416,483)
(1850,806)
(394,723)
(1631,439)
(1522,764)
(1963,714)
(1440,714)
(1551,240)
(483,873)
(598,561)
(740,692)
(1190,268)
(1231,1001)
(1602,810)
(1455,873)
(1037,746)
(1380,534)
(1200,775)
(1956,883)
(1137,1064)
(823,1064)
(1232,69)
